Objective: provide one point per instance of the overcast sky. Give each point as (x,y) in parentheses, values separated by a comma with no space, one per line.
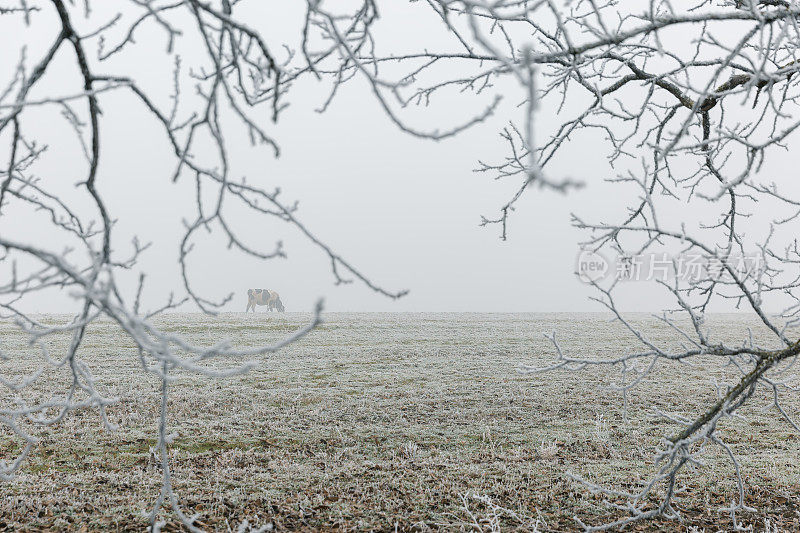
(404,211)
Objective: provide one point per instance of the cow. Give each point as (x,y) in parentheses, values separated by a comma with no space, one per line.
(264,297)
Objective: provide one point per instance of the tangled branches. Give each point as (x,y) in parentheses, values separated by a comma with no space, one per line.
(686,100)
(691,100)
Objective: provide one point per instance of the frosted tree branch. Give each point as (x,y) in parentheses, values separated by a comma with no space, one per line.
(686,100)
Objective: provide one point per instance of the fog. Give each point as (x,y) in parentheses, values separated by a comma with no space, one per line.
(404,211)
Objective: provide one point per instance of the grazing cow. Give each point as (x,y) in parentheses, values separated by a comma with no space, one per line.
(264,297)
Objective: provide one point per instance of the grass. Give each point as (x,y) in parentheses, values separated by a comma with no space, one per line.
(419,422)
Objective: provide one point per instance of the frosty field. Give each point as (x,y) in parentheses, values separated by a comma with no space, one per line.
(383,421)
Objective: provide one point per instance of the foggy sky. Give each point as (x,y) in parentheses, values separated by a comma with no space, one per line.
(404,211)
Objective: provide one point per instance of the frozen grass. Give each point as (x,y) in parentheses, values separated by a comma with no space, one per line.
(377,421)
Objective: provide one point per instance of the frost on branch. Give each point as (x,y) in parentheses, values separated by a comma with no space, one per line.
(686,99)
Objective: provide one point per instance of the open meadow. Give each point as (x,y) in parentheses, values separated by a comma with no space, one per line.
(388,421)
